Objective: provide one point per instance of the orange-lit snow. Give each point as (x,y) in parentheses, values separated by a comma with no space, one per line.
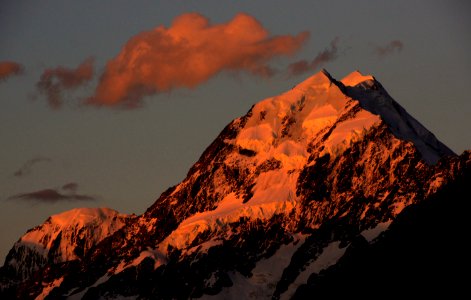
(102,222)
(318,119)
(350,130)
(355,78)
(312,108)
(229,210)
(48,288)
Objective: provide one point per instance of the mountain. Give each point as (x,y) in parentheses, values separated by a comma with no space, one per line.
(283,194)
(420,255)
(63,237)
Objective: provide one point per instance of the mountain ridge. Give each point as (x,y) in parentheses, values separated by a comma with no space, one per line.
(63,237)
(301,174)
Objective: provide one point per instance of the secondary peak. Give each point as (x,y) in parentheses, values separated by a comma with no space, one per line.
(319,79)
(356,78)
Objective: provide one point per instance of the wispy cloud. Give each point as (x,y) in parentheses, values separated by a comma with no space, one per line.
(392,47)
(55,81)
(186,54)
(50,196)
(304,66)
(27,167)
(9,68)
(71,187)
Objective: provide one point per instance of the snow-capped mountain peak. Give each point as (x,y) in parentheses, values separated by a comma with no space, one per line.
(319,115)
(374,98)
(303,112)
(279,195)
(280,135)
(63,237)
(84,216)
(322,78)
(356,78)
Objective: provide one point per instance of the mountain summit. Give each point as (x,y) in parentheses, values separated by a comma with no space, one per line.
(283,195)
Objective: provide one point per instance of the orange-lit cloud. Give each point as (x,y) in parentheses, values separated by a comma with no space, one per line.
(27,167)
(303,66)
(390,48)
(66,194)
(54,82)
(188,53)
(9,68)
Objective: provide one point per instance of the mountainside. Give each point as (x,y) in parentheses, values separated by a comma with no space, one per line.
(283,192)
(420,255)
(63,237)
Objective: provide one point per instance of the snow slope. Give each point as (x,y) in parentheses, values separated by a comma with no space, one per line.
(63,237)
(283,127)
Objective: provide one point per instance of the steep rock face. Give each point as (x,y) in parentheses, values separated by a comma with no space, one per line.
(374,98)
(422,246)
(280,194)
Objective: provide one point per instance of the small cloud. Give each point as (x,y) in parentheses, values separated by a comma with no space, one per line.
(27,167)
(188,53)
(54,82)
(9,68)
(394,46)
(52,196)
(71,187)
(304,66)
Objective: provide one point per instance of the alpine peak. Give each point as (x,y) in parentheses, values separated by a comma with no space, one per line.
(63,237)
(320,101)
(82,216)
(321,78)
(355,78)
(302,180)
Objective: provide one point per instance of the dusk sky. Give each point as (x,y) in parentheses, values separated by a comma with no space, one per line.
(109,103)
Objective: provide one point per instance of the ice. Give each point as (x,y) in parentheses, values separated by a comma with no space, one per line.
(372,233)
(48,288)
(265,275)
(329,256)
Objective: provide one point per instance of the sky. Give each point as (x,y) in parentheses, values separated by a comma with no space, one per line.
(109,103)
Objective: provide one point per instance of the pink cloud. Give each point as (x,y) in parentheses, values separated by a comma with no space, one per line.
(188,53)
(54,82)
(9,68)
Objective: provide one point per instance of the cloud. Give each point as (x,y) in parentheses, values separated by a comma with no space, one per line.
(303,66)
(188,53)
(9,68)
(26,168)
(71,186)
(54,82)
(390,48)
(51,196)
(67,193)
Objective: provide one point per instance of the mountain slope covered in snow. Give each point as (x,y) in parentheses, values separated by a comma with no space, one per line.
(282,193)
(63,237)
